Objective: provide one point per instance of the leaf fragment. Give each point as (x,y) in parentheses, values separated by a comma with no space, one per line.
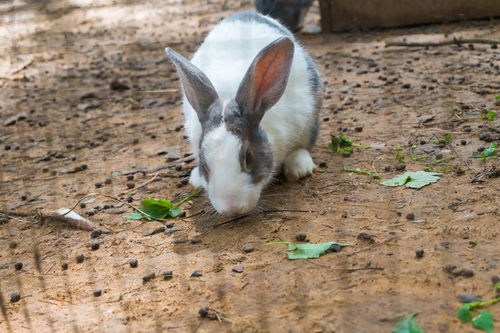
(411,179)
(408,325)
(360,172)
(306,250)
(484,321)
(340,144)
(489,114)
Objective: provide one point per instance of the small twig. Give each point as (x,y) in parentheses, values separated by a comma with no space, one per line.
(454,41)
(160,167)
(142,185)
(289,211)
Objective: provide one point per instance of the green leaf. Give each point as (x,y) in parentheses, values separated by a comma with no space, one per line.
(416,179)
(464,313)
(155,210)
(490,151)
(306,250)
(489,114)
(447,137)
(497,97)
(484,321)
(135,216)
(174,212)
(339,144)
(408,325)
(497,286)
(400,157)
(359,172)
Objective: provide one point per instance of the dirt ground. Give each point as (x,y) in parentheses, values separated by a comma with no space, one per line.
(57,62)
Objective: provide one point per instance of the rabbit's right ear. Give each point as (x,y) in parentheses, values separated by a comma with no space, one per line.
(199,90)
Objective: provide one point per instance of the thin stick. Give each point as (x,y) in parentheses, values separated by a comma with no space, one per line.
(454,41)
(142,185)
(160,167)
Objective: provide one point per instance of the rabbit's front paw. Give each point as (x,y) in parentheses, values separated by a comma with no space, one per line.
(298,164)
(196,180)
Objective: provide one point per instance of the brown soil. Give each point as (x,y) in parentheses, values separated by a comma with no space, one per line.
(56,65)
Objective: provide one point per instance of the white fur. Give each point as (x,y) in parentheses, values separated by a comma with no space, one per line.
(224,57)
(298,164)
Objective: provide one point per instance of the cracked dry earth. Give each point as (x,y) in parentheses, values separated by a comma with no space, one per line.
(65,67)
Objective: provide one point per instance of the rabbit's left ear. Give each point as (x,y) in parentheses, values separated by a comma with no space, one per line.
(199,90)
(265,80)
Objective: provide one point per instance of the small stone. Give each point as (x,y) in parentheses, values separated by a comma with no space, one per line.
(468,298)
(133,262)
(118,86)
(83,205)
(130,199)
(247,248)
(98,185)
(195,240)
(196,273)
(387,168)
(18,266)
(12,245)
(334,248)
(323,165)
(366,237)
(358,129)
(97,292)
(238,269)
(130,177)
(466,128)
(95,245)
(15,296)
(80,258)
(64,266)
(148,277)
(301,237)
(495,279)
(346,154)
(410,216)
(95,233)
(130,185)
(406,86)
(167,274)
(463,142)
(419,253)
(400,167)
(169,225)
(108,181)
(485,136)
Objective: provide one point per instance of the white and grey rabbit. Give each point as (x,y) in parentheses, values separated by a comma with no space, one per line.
(251,101)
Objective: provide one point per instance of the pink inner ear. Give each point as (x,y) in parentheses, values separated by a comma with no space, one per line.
(269,70)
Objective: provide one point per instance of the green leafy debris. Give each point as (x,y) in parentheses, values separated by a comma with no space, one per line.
(497,97)
(153,209)
(408,325)
(489,114)
(306,250)
(411,179)
(464,313)
(484,321)
(447,137)
(340,144)
(359,172)
(488,152)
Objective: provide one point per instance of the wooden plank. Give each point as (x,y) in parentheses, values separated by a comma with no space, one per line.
(342,15)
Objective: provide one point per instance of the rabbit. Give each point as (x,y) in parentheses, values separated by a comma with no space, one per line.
(290,12)
(251,101)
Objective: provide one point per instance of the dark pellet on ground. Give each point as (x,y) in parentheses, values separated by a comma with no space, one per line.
(334,248)
(169,225)
(419,253)
(133,262)
(15,296)
(485,136)
(439,156)
(326,118)
(148,277)
(203,311)
(118,86)
(358,129)
(178,128)
(410,216)
(247,248)
(387,168)
(480,149)
(467,273)
(195,240)
(301,237)
(18,266)
(167,274)
(346,154)
(130,199)
(108,181)
(64,266)
(323,165)
(95,233)
(196,273)
(12,245)
(135,141)
(400,166)
(24,197)
(406,86)
(97,292)
(80,258)
(130,185)
(466,128)
(495,279)
(463,142)
(95,245)
(366,237)
(130,177)
(83,205)
(98,185)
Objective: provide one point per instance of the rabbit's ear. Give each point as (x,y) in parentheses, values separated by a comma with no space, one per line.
(199,90)
(265,80)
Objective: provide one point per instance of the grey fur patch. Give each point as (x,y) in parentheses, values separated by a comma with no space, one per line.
(214,120)
(317,91)
(256,156)
(248,16)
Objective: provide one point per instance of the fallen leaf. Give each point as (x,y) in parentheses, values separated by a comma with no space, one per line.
(411,179)
(306,250)
(408,325)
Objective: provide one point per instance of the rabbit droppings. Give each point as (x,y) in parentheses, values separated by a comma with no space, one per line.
(251,101)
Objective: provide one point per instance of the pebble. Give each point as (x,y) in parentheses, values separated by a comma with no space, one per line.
(148,277)
(169,225)
(334,248)
(97,292)
(387,168)
(419,253)
(108,181)
(366,237)
(12,245)
(15,296)
(95,245)
(400,166)
(64,266)
(130,177)
(410,216)
(203,311)
(18,266)
(238,269)
(167,274)
(346,154)
(323,165)
(463,142)
(495,279)
(98,185)
(468,298)
(301,237)
(118,86)
(133,262)
(130,185)
(247,248)
(485,136)
(130,199)
(196,273)
(80,258)
(466,128)
(95,233)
